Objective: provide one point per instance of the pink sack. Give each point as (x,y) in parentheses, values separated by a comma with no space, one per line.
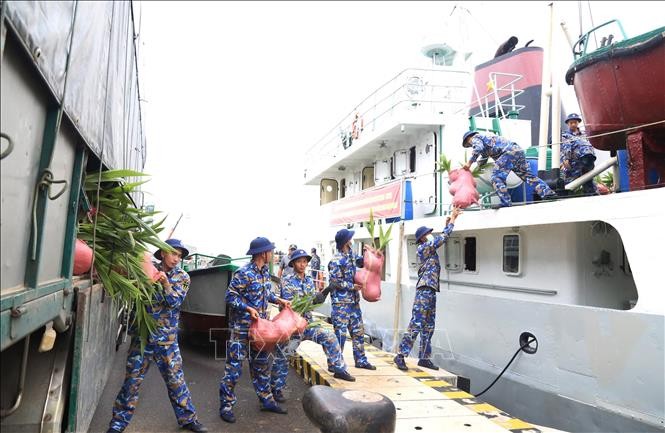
(602,189)
(150,269)
(82,257)
(369,276)
(463,188)
(265,334)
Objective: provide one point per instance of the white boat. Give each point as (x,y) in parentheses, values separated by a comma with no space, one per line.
(581,274)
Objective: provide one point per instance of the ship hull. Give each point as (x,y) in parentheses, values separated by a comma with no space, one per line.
(597,355)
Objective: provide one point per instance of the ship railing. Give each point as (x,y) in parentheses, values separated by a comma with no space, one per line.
(600,39)
(412,91)
(321,277)
(201,261)
(500,100)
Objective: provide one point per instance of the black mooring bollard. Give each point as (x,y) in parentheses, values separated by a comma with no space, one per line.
(349,411)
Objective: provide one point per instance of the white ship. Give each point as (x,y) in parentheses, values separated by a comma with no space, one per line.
(581,274)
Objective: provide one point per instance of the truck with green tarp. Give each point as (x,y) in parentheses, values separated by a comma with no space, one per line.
(70,105)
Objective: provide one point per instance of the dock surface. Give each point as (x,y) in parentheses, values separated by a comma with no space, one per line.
(203,371)
(426,400)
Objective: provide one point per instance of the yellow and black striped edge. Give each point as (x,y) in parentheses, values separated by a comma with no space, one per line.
(496,415)
(315,375)
(309,371)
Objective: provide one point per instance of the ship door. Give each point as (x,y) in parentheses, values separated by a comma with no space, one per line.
(368,177)
(328,190)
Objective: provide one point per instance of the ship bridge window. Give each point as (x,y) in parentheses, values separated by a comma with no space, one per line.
(511,254)
(470,254)
(368,177)
(452,252)
(342,188)
(328,191)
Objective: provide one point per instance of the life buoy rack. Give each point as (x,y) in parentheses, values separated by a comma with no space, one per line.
(357,126)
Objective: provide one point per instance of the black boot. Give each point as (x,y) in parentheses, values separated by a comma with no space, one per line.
(427,364)
(195,426)
(344,375)
(399,362)
(227,416)
(366,366)
(274,408)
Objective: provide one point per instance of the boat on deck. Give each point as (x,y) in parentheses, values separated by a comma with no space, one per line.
(203,313)
(620,87)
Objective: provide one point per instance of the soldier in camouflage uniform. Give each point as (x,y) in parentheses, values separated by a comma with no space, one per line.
(248,295)
(577,155)
(299,284)
(424,305)
(161,348)
(507,156)
(346,314)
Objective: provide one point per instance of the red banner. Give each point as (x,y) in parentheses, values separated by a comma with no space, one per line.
(385,202)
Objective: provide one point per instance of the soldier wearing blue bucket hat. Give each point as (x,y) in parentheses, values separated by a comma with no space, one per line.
(298,284)
(423,315)
(162,347)
(508,156)
(248,296)
(577,154)
(346,314)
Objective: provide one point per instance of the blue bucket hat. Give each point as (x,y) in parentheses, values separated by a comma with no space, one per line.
(343,236)
(573,116)
(298,254)
(175,243)
(422,231)
(260,245)
(468,134)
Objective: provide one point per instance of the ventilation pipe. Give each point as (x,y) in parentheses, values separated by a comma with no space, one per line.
(556,101)
(546,92)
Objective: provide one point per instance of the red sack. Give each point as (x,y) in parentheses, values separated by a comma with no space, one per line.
(463,188)
(265,334)
(602,189)
(82,257)
(149,269)
(369,276)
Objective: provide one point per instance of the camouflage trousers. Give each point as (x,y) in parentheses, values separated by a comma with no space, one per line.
(237,349)
(578,168)
(422,322)
(513,159)
(349,317)
(168,360)
(317,334)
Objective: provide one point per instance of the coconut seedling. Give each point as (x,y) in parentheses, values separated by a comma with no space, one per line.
(120,233)
(384,237)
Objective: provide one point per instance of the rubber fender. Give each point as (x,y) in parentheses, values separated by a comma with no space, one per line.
(349,411)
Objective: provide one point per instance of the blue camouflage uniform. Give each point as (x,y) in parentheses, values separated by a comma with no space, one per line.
(293,286)
(315,265)
(424,305)
(250,286)
(507,156)
(577,157)
(162,349)
(345,299)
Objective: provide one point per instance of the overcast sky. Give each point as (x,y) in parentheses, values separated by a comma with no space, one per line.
(236,91)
